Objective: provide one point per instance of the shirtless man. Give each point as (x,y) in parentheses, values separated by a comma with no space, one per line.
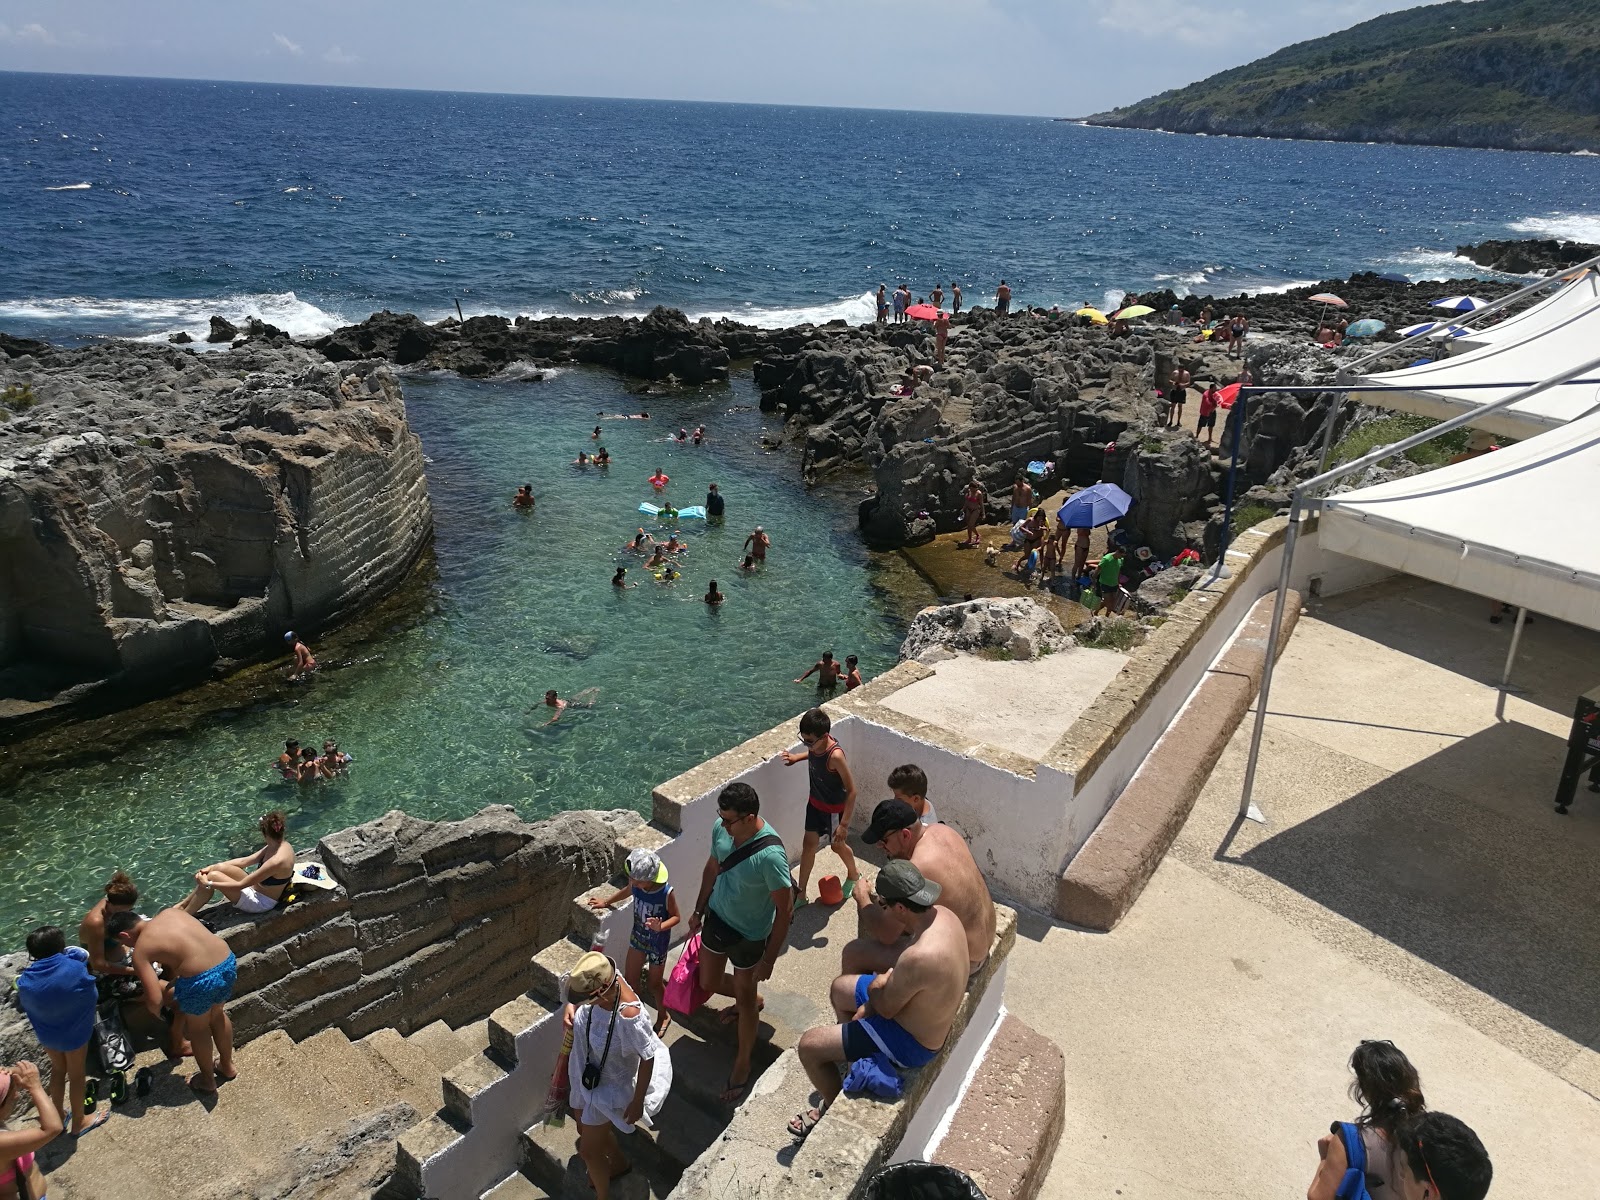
(906,1012)
(121,895)
(756,544)
(1002,299)
(1177,392)
(827,671)
(941,854)
(955,298)
(1021,497)
(304,663)
(936,297)
(204,969)
(551,700)
(524,497)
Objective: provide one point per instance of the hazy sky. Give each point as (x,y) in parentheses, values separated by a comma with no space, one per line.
(1042,57)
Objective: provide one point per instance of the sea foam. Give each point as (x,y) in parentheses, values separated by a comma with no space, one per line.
(1577,227)
(153,320)
(70,187)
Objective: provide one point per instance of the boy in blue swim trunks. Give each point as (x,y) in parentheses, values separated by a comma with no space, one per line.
(655,915)
(204,968)
(904,1013)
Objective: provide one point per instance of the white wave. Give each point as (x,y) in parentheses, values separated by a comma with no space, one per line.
(607,296)
(153,320)
(518,372)
(1577,227)
(857,310)
(70,187)
(1585,154)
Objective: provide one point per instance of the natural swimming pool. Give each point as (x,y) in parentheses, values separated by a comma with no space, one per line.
(443,715)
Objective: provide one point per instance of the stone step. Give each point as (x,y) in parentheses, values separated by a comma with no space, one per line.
(702,1059)
(446,1046)
(516,1187)
(550,965)
(550,1159)
(466,1080)
(354,1078)
(583,921)
(413,1064)
(279,1077)
(510,1019)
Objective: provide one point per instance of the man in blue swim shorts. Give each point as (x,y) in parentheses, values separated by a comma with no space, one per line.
(204,969)
(903,1014)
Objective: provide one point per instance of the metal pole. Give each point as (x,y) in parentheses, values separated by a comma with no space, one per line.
(1240,407)
(1247,809)
(1511,657)
(1327,432)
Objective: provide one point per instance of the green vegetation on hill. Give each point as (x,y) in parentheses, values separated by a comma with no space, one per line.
(1510,74)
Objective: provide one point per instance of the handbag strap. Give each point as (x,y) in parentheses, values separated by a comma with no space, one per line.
(610,1029)
(754,846)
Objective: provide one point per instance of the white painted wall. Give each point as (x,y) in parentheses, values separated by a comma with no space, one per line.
(931,1121)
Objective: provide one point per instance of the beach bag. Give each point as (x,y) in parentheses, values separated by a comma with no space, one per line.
(110,1047)
(683,993)
(1354,1184)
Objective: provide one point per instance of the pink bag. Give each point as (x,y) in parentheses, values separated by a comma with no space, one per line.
(683,993)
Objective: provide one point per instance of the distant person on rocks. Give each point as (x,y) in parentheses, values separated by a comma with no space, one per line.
(941,333)
(883,304)
(830,800)
(936,297)
(900,298)
(1002,299)
(955,297)
(1237,328)
(655,916)
(59,997)
(524,497)
(204,969)
(621,1071)
(255,883)
(973,503)
(905,1012)
(941,854)
(1177,394)
(1021,497)
(757,544)
(304,663)
(1210,400)
(18,1146)
(1080,552)
(715,504)
(742,914)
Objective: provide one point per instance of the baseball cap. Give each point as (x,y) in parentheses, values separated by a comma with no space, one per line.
(645,866)
(886,818)
(593,974)
(900,880)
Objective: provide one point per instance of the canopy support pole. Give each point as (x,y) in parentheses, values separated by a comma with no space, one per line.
(1248,810)
(1240,407)
(1511,657)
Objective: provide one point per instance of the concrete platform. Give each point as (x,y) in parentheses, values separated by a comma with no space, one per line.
(1021,706)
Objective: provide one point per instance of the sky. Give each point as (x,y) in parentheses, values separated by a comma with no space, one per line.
(1024,57)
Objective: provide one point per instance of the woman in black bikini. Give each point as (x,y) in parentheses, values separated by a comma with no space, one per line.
(255,883)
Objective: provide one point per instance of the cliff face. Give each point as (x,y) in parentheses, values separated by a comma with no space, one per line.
(161,510)
(1505,74)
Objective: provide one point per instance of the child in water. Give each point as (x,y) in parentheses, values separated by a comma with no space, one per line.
(852,673)
(602,457)
(660,479)
(655,915)
(524,497)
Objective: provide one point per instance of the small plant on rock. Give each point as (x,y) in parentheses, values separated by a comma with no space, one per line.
(18,398)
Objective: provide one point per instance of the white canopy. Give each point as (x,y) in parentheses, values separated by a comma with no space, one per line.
(1580,296)
(1510,525)
(1437,390)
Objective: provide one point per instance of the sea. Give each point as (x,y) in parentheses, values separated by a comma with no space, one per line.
(139,207)
(134,208)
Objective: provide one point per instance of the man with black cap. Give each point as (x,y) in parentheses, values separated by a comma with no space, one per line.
(906,1012)
(941,854)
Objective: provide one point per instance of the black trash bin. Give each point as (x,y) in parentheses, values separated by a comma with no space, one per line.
(921,1181)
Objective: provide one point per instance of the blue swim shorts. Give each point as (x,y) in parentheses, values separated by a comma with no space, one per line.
(196,994)
(881,1035)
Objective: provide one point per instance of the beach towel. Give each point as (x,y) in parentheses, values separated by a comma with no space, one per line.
(875,1076)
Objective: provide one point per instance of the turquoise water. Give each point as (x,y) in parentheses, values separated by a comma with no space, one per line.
(441,717)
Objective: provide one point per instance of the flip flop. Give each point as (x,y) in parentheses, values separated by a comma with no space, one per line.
(802,1125)
(663,1022)
(734,1094)
(99,1120)
(194,1086)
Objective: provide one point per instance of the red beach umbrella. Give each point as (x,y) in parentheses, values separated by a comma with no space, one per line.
(922,312)
(1228,395)
(1327,298)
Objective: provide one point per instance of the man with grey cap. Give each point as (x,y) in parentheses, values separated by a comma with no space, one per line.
(941,854)
(906,1011)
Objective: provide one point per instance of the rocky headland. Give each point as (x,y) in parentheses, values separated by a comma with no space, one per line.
(163,513)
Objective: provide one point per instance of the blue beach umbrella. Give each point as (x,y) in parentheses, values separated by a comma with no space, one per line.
(1461,303)
(1391,277)
(1438,327)
(1366,328)
(1097,505)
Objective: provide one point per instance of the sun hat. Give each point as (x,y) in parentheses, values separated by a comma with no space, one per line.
(592,975)
(901,881)
(645,866)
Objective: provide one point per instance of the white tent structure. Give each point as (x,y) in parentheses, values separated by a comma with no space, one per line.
(1580,296)
(1455,386)
(1484,525)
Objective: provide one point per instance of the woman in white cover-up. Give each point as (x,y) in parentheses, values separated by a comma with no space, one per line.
(620,1070)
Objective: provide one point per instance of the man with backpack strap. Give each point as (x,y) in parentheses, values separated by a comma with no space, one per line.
(1443,1160)
(742,916)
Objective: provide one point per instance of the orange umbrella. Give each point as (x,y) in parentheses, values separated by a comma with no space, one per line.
(922,312)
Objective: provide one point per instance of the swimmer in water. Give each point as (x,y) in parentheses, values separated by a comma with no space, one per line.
(657,559)
(748,563)
(554,701)
(757,543)
(674,546)
(617,579)
(638,543)
(595,436)
(670,574)
(683,434)
(582,460)
(602,457)
(310,768)
(699,434)
(714,597)
(667,513)
(333,760)
(826,670)
(852,673)
(659,480)
(289,760)
(524,497)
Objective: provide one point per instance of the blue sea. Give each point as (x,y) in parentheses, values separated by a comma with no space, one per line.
(138,207)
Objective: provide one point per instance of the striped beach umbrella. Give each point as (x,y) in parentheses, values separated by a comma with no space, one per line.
(1461,303)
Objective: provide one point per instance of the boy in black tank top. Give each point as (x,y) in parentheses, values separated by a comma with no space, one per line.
(830,804)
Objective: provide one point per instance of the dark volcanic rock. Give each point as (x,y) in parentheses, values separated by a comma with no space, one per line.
(222,330)
(1530,256)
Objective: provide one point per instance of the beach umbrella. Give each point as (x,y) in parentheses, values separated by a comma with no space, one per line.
(1326,298)
(922,312)
(1094,314)
(1439,327)
(1366,328)
(1461,303)
(1226,396)
(1097,505)
(1132,311)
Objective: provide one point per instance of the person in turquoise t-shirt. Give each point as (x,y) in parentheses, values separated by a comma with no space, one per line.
(742,917)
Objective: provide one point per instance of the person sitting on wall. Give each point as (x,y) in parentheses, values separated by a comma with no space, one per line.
(255,883)
(906,1012)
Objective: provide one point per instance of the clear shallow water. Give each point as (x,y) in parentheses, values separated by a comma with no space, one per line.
(314,206)
(441,717)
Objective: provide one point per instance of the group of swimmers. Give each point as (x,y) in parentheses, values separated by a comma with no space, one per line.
(302,764)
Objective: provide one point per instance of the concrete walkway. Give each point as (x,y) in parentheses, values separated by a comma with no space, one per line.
(1413,883)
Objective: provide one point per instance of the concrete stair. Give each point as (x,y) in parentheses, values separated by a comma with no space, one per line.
(265,1131)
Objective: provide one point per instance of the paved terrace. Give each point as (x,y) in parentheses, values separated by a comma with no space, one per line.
(1413,883)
